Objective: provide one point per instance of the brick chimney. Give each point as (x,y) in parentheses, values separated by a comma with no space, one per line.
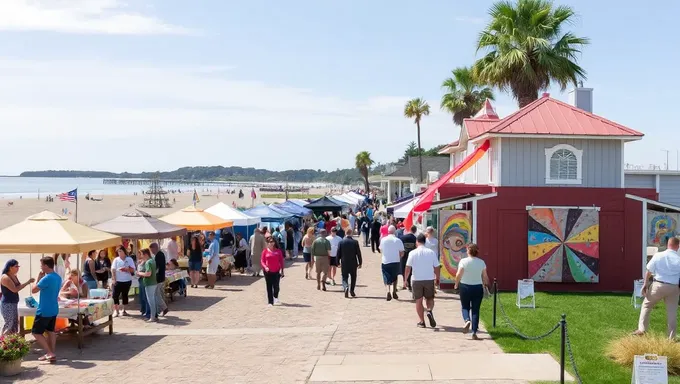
(582,98)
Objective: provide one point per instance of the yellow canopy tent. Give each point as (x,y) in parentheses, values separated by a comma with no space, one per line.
(196,219)
(47,232)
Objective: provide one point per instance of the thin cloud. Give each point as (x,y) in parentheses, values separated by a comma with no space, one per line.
(112,17)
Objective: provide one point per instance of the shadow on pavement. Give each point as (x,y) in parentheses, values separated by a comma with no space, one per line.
(196,303)
(295,305)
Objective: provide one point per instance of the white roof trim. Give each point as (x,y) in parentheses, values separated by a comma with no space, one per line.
(546,136)
(461,201)
(653,202)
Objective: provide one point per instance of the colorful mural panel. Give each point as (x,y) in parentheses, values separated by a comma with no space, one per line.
(564,245)
(660,227)
(455,228)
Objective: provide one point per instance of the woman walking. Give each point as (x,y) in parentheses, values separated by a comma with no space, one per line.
(272,262)
(307,252)
(149,278)
(102,268)
(472,279)
(121,278)
(143,304)
(89,271)
(195,261)
(10,286)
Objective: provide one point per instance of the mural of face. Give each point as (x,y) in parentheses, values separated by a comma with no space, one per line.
(456,231)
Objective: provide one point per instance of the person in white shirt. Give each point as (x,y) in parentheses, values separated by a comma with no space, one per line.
(173,250)
(335,240)
(392,251)
(422,266)
(122,269)
(431,241)
(661,283)
(471,279)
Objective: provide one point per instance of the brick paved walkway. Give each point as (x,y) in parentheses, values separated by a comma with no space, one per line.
(229,335)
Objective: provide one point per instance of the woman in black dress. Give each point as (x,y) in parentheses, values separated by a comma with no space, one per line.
(102,267)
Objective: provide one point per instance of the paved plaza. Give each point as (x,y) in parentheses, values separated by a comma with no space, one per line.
(229,335)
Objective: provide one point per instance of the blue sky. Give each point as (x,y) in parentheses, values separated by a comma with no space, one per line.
(158,84)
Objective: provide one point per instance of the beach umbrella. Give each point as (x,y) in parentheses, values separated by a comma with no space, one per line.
(196,219)
(137,224)
(47,232)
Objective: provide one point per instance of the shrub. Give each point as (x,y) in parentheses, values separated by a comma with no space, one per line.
(624,350)
(13,346)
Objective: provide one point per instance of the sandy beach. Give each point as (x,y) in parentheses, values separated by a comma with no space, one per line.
(93,212)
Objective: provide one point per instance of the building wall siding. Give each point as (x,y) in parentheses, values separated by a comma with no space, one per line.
(524,165)
(669,189)
(640,181)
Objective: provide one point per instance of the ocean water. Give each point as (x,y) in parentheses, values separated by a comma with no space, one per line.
(14,187)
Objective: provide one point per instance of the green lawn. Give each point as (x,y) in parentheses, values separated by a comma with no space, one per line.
(593,320)
(290,196)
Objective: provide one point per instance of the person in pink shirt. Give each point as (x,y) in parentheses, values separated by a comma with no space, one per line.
(384,229)
(272,264)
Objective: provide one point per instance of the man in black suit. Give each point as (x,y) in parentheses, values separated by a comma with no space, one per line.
(349,255)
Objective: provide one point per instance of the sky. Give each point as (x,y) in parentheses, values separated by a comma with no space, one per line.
(145,85)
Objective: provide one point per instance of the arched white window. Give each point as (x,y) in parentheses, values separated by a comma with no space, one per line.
(563,165)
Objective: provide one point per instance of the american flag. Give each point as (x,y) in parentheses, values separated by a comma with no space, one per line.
(71,196)
(252,194)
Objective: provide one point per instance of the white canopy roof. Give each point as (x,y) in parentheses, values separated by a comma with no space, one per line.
(228,213)
(402,212)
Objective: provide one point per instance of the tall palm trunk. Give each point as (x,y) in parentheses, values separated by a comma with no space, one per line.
(420,153)
(366,185)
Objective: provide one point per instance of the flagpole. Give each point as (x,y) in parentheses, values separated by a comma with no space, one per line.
(77,210)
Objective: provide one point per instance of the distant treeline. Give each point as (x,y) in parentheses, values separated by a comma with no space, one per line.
(340,176)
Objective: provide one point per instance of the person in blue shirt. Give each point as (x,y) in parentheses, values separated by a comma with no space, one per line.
(369,213)
(45,320)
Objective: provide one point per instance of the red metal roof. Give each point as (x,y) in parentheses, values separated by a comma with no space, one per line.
(547,116)
(478,127)
(487,112)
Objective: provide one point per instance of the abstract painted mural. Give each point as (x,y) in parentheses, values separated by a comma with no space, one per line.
(564,245)
(660,227)
(455,228)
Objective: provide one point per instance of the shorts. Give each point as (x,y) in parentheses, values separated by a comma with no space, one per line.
(322,263)
(390,272)
(196,266)
(307,257)
(334,261)
(43,324)
(423,288)
(91,284)
(212,267)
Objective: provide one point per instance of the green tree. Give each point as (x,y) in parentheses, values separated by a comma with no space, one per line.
(464,94)
(527,49)
(410,151)
(415,109)
(363,162)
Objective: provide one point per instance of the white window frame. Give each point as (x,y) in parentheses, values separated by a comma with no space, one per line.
(579,165)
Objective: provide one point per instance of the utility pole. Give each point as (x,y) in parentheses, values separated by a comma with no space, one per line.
(667,152)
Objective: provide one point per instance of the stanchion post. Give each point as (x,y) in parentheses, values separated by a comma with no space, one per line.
(495,300)
(563,342)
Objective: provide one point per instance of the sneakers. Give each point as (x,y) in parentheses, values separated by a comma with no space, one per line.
(430,318)
(333,283)
(277,301)
(466,329)
(353,294)
(421,324)
(475,337)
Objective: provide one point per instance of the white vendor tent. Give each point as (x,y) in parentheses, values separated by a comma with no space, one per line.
(403,211)
(228,213)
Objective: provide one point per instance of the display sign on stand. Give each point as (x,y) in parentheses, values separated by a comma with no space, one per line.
(637,292)
(650,369)
(526,297)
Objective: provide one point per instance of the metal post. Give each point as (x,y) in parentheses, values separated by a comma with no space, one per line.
(495,300)
(563,328)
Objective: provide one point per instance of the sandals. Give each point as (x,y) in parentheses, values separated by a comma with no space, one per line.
(50,359)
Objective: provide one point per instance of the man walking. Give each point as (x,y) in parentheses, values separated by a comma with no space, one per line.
(213,260)
(321,250)
(257,244)
(159,258)
(45,320)
(392,251)
(349,254)
(335,240)
(661,283)
(409,241)
(422,266)
(375,235)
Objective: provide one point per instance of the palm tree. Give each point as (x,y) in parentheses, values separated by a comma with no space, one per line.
(415,109)
(464,94)
(363,161)
(527,49)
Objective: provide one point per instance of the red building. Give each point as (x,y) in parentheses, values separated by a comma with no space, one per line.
(548,199)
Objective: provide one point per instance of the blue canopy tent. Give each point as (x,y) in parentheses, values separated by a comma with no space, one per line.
(269,215)
(294,209)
